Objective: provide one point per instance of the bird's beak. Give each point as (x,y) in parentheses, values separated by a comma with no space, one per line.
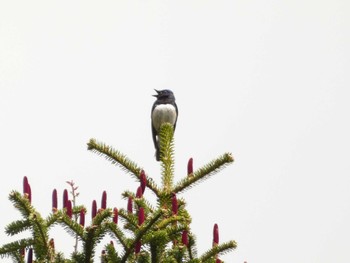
(157,93)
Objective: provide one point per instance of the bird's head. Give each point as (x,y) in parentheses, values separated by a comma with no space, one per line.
(164,94)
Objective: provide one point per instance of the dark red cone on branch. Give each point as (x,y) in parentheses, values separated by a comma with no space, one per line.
(130,204)
(65,198)
(218,260)
(103,256)
(174,205)
(138,247)
(184,238)
(26,189)
(143,181)
(54,200)
(104,200)
(115,215)
(30,256)
(190,166)
(215,235)
(69,210)
(52,244)
(141,216)
(29,193)
(25,185)
(94,209)
(139,192)
(82,217)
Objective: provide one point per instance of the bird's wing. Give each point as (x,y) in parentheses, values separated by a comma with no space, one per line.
(154,132)
(177,114)
(154,136)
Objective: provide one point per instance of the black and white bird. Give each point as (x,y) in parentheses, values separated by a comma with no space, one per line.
(164,110)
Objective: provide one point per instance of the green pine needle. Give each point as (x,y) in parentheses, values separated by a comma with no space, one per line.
(116,157)
(219,249)
(166,143)
(21,203)
(204,172)
(15,246)
(118,233)
(17,227)
(72,227)
(140,233)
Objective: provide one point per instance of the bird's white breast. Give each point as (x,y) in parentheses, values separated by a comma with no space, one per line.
(163,113)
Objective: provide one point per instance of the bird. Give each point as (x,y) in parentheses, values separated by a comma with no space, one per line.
(164,110)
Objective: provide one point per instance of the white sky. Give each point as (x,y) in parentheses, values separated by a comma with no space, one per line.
(265,80)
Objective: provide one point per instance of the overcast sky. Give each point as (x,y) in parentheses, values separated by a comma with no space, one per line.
(267,81)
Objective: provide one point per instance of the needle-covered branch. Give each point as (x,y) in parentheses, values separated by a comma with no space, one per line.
(218,249)
(166,141)
(140,232)
(204,172)
(116,157)
(16,246)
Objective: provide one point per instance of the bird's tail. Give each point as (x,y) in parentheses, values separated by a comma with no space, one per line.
(157,154)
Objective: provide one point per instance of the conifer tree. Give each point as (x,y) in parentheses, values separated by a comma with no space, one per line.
(140,233)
